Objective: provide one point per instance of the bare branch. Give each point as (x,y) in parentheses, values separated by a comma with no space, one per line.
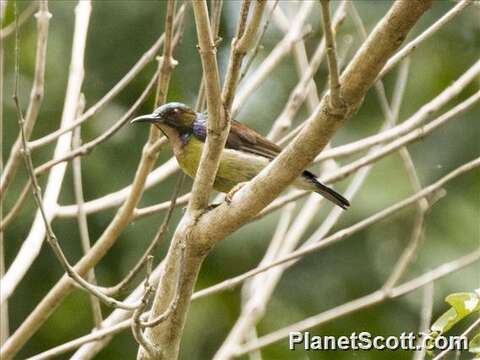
(36,95)
(141,339)
(258,43)
(335,96)
(173,304)
(81,216)
(240,45)
(426,317)
(117,198)
(218,125)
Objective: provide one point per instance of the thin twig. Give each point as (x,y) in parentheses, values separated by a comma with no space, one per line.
(218,126)
(117,198)
(153,245)
(137,332)
(299,94)
(425,317)
(258,43)
(240,45)
(82,217)
(4,314)
(173,303)
(282,49)
(36,95)
(335,96)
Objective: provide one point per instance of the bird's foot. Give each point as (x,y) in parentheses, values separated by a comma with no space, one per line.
(231,193)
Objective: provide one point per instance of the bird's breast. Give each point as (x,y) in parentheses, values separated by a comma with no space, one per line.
(188,155)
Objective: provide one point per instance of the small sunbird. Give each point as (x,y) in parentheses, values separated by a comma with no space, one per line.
(246,152)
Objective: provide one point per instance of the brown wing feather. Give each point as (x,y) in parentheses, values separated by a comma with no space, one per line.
(245,139)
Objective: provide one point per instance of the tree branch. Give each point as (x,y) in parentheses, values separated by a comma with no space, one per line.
(36,96)
(335,96)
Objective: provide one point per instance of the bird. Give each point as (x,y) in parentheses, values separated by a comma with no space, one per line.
(245,154)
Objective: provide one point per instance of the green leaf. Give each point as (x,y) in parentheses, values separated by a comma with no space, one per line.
(463,304)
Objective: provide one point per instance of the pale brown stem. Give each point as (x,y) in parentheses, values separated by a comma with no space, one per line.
(36,95)
(335,96)
(82,217)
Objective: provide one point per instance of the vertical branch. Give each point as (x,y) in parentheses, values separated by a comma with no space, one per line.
(240,44)
(218,110)
(81,216)
(218,126)
(425,318)
(167,60)
(36,96)
(335,96)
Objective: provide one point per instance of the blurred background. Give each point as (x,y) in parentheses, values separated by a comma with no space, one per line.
(120,32)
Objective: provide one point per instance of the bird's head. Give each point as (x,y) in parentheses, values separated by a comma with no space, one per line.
(175,115)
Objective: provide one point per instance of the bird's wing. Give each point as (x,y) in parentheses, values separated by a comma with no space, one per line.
(245,139)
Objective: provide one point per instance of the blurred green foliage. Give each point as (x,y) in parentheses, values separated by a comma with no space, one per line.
(120,31)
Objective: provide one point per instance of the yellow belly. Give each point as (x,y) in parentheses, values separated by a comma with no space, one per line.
(235,167)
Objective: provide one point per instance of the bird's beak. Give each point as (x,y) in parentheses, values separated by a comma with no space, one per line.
(150,118)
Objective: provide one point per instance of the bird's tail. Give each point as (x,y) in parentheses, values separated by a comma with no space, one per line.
(325,191)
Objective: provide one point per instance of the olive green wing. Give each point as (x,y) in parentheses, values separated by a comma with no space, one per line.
(245,139)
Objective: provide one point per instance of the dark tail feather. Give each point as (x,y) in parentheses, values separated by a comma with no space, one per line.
(327,192)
